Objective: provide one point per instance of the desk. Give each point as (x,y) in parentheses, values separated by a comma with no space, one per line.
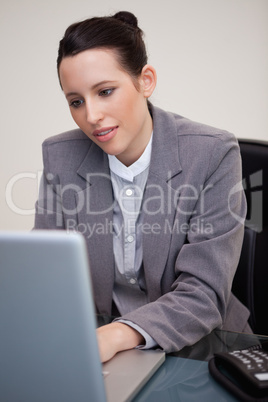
(185,377)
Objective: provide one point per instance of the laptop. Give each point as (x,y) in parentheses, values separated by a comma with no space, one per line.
(48,345)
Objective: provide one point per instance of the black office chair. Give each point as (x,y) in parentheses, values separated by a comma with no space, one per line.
(251,280)
(243,284)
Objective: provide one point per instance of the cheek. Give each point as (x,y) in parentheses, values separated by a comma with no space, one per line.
(130,104)
(77,116)
(73,112)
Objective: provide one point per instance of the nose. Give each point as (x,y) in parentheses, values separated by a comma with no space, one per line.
(93,112)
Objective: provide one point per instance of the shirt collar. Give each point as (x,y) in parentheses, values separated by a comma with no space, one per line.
(128,173)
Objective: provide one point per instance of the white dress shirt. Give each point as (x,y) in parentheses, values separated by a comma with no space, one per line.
(128,184)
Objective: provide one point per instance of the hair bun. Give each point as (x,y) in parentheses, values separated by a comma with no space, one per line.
(127,18)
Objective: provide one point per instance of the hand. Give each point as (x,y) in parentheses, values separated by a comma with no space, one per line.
(115,337)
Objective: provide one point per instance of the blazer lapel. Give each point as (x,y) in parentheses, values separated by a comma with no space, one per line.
(97,215)
(160,198)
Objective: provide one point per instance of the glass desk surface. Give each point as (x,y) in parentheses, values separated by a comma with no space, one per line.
(185,377)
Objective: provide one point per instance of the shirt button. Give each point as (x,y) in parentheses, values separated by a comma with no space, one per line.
(132,281)
(129,192)
(130,238)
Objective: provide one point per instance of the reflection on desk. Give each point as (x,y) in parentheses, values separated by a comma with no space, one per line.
(219,341)
(183,380)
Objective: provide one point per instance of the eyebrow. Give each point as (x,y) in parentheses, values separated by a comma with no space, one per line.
(93,87)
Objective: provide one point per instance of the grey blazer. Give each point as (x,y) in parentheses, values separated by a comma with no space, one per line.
(193,211)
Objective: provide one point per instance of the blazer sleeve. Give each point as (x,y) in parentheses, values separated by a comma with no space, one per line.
(62,156)
(198,300)
(48,208)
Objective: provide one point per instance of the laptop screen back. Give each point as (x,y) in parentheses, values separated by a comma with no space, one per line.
(48,346)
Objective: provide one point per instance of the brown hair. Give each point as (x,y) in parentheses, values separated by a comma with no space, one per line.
(119,32)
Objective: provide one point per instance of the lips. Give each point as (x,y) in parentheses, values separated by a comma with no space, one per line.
(105,133)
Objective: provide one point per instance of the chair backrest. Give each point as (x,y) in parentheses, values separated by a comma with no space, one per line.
(251,280)
(243,283)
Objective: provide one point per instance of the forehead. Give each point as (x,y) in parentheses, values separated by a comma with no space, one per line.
(93,65)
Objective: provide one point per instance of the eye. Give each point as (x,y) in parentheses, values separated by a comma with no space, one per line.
(106,92)
(76,103)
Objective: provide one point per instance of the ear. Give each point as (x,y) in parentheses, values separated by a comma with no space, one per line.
(148,80)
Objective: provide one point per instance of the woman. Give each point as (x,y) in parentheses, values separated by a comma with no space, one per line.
(156,196)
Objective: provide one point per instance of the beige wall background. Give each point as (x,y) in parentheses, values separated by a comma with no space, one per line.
(211,57)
